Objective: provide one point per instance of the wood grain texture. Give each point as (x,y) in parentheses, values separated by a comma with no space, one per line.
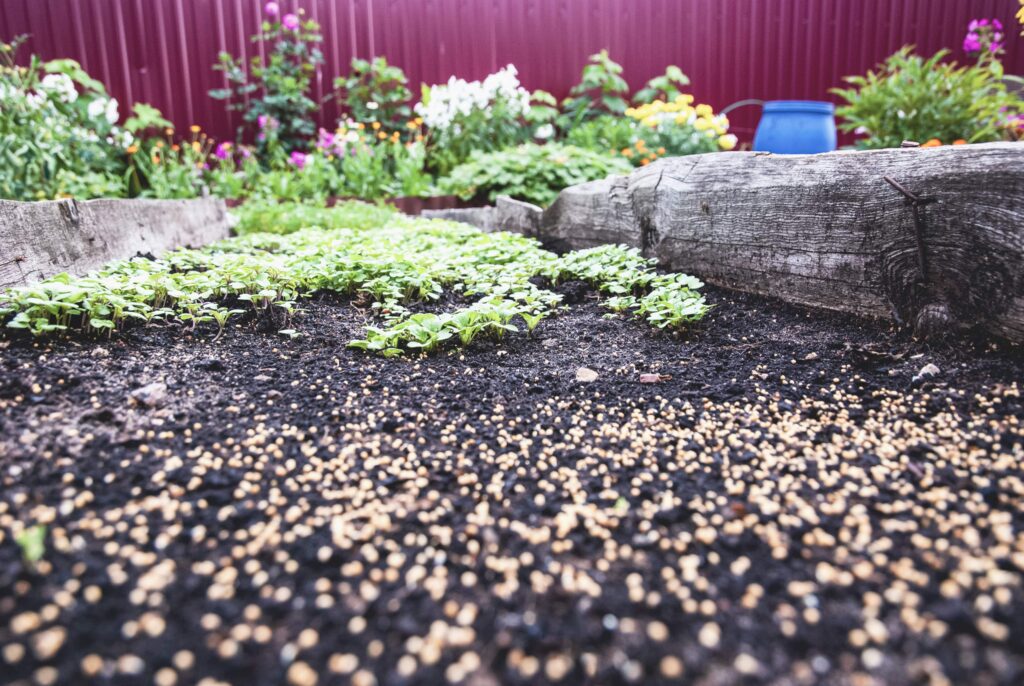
(40,239)
(824,230)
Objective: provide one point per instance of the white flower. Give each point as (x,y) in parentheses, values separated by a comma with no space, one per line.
(545,132)
(60,85)
(459,98)
(96,108)
(111,111)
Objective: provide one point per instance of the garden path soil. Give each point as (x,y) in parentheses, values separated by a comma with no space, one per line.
(786,505)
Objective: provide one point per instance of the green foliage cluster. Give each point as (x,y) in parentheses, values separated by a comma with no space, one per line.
(375,91)
(273,92)
(271,216)
(531,172)
(57,126)
(400,266)
(909,97)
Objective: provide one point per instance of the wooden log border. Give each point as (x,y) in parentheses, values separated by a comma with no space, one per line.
(40,239)
(930,237)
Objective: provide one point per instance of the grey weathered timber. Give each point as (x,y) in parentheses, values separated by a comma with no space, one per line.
(40,239)
(825,230)
(507,214)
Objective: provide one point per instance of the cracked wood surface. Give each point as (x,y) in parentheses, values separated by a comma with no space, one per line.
(40,239)
(823,230)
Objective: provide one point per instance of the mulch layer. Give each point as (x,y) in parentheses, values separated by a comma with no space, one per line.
(791,501)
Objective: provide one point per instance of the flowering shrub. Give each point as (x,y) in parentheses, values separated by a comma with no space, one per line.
(58,131)
(163,168)
(677,128)
(375,91)
(467,116)
(984,38)
(531,172)
(911,98)
(273,93)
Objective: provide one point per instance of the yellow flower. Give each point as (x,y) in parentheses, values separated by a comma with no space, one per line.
(727,142)
(360,126)
(651,121)
(375,125)
(381,135)
(684,98)
(704,111)
(681,119)
(412,125)
(196,147)
(195,128)
(419,121)
(701,124)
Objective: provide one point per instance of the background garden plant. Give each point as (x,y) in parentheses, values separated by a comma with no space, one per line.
(273,92)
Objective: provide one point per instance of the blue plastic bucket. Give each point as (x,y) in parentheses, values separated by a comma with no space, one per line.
(796,127)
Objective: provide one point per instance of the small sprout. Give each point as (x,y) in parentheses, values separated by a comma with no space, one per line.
(32,542)
(290,333)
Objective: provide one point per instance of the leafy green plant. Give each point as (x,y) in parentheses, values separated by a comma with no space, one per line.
(531,172)
(165,168)
(606,133)
(912,98)
(273,92)
(403,266)
(667,86)
(475,116)
(601,90)
(58,131)
(375,91)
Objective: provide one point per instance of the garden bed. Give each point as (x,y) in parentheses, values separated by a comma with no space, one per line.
(777,493)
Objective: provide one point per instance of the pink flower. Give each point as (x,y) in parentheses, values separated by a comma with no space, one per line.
(272,9)
(291,22)
(299,159)
(223,151)
(245,153)
(971,43)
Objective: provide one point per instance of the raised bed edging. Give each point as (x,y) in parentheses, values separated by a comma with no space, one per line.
(821,230)
(40,239)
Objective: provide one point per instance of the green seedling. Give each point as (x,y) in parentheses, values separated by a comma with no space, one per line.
(389,264)
(32,542)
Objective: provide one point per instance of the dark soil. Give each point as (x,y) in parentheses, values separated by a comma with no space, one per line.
(786,505)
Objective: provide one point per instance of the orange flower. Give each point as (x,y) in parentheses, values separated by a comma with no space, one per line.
(195,128)
(419,138)
(375,125)
(933,143)
(169,132)
(644,162)
(360,126)
(132,149)
(156,159)
(381,135)
(959,141)
(627,152)
(159,144)
(640,144)
(175,148)
(661,151)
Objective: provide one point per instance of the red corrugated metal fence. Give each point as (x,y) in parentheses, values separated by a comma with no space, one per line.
(161,51)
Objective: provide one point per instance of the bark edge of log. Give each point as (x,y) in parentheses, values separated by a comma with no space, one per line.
(940,249)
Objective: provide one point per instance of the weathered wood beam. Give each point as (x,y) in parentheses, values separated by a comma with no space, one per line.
(40,239)
(826,230)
